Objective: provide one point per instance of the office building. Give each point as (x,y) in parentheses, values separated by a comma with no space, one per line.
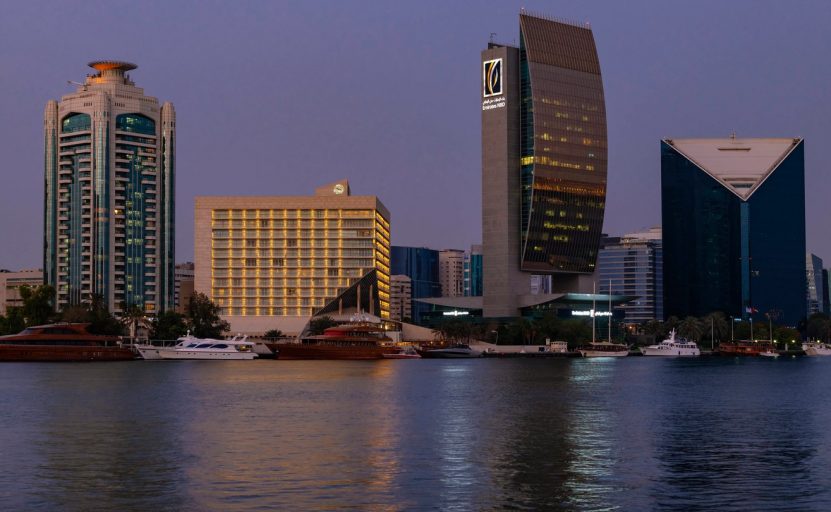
(401,294)
(815,284)
(10,283)
(184,277)
(473,272)
(452,273)
(272,262)
(632,265)
(544,121)
(109,201)
(421,265)
(734,227)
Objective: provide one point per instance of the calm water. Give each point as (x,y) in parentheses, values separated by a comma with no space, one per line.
(630,434)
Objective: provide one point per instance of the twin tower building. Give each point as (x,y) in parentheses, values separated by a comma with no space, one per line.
(109,208)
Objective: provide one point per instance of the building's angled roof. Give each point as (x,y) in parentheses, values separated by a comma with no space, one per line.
(741,165)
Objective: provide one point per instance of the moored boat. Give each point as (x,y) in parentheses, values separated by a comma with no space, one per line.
(597,349)
(191,347)
(672,346)
(62,342)
(815,348)
(404,353)
(769,353)
(350,341)
(451,352)
(744,348)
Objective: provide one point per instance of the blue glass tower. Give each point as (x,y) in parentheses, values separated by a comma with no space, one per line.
(734,227)
(421,265)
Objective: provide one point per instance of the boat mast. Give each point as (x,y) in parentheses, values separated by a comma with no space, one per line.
(610,311)
(594,308)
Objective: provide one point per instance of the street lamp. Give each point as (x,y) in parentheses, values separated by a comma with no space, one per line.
(497,337)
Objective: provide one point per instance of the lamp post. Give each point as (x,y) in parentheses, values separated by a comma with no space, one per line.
(497,337)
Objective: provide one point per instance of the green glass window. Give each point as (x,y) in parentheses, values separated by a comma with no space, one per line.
(136,123)
(75,123)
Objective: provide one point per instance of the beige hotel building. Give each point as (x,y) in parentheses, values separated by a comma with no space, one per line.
(273,262)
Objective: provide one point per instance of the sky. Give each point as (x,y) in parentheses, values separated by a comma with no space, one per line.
(277,98)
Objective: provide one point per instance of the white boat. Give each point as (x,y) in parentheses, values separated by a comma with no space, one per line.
(815,348)
(404,353)
(672,346)
(191,347)
(596,349)
(454,352)
(769,353)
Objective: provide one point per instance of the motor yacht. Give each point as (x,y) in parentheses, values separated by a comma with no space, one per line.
(452,352)
(815,348)
(191,347)
(672,346)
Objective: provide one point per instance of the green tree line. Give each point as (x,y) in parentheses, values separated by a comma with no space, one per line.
(38,308)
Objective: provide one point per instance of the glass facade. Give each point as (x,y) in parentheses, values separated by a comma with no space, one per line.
(563,149)
(473,272)
(723,253)
(104,186)
(421,265)
(634,267)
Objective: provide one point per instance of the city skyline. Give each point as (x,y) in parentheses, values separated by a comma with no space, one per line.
(241,101)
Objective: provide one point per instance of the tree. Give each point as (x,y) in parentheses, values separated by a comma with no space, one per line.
(132,316)
(455,330)
(38,302)
(690,328)
(718,322)
(273,334)
(320,324)
(168,325)
(204,317)
(818,326)
(13,322)
(100,318)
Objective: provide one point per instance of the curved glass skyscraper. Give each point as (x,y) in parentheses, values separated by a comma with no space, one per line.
(544,161)
(109,202)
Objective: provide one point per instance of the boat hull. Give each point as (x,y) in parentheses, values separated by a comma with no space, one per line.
(603,353)
(47,353)
(448,354)
(335,352)
(816,351)
(649,351)
(204,355)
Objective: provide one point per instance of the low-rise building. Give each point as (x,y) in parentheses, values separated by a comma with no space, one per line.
(10,283)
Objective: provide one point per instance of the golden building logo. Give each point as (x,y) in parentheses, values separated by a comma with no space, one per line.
(492,77)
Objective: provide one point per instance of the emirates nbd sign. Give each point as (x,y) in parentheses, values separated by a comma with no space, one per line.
(492,88)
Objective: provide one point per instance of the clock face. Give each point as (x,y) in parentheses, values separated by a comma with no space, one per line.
(338,189)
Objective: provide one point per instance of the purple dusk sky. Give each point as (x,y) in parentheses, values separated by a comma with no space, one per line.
(280,97)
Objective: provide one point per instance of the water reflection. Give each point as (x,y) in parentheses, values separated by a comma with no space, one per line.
(632,434)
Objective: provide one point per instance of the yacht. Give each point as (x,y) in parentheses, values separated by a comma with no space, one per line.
(815,348)
(451,352)
(62,342)
(405,353)
(191,347)
(600,349)
(769,353)
(672,347)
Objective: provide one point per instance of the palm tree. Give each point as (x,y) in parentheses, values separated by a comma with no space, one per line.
(132,316)
(690,328)
(719,324)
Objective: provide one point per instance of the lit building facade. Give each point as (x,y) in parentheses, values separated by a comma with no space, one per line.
(815,284)
(544,162)
(10,283)
(401,295)
(734,227)
(275,261)
(633,266)
(109,202)
(421,265)
(473,272)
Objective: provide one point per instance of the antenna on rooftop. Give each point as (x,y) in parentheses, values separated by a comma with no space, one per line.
(733,135)
(493,35)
